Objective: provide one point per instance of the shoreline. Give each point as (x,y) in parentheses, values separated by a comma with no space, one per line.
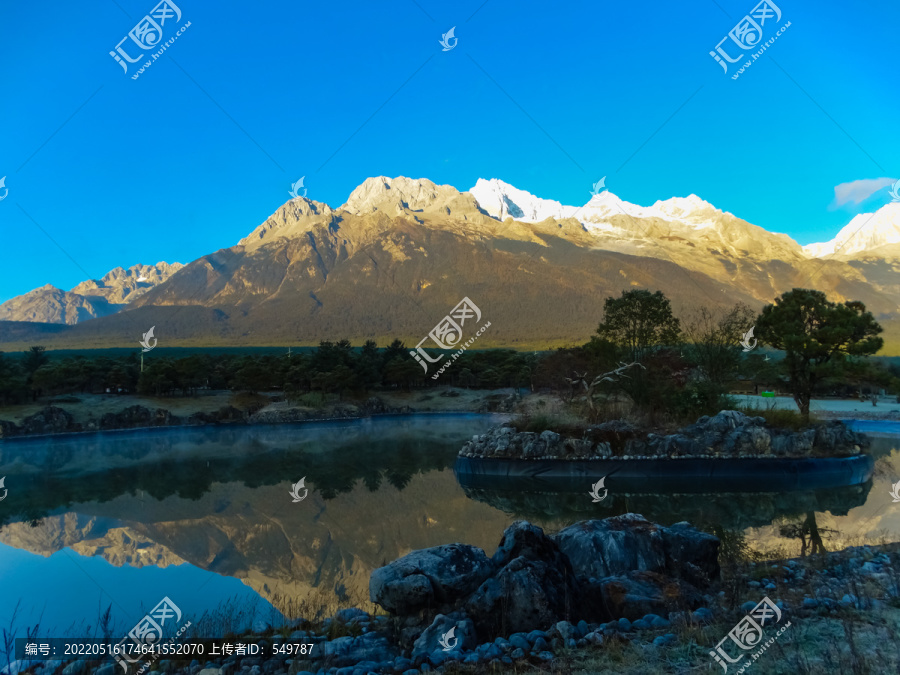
(258,423)
(338,418)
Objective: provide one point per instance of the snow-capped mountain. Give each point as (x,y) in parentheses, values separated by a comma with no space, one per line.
(865,232)
(401,251)
(502,200)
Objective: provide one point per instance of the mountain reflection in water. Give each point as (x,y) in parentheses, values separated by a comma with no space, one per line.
(215,502)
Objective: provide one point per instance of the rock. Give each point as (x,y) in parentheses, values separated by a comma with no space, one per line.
(463,638)
(519,640)
(442,574)
(566,630)
(137,416)
(702,615)
(534,635)
(691,554)
(346,651)
(535,584)
(600,548)
(349,614)
(665,640)
(626,543)
(214,671)
(49,420)
(75,668)
(638,593)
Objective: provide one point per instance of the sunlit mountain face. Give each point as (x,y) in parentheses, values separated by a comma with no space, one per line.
(400,249)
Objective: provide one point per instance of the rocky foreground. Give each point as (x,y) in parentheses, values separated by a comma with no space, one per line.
(729,434)
(618,595)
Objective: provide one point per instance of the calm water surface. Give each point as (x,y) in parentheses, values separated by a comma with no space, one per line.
(205,516)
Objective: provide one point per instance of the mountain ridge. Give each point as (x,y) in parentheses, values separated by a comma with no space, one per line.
(400,252)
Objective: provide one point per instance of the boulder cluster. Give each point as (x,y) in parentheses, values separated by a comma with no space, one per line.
(729,434)
(597,571)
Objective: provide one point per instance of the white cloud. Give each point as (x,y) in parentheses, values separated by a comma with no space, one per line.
(857,191)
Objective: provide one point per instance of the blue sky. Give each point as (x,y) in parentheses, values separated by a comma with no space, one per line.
(549,97)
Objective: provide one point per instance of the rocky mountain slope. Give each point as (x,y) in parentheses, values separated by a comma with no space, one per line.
(89,299)
(401,252)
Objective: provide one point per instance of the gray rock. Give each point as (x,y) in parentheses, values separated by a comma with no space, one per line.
(442,574)
(535,634)
(346,651)
(702,615)
(566,630)
(535,585)
(463,638)
(349,614)
(636,594)
(519,640)
(626,543)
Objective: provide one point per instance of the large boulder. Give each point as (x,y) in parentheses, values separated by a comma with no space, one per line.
(626,543)
(691,554)
(524,595)
(429,577)
(535,584)
(601,548)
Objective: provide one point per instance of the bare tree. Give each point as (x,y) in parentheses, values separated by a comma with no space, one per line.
(611,376)
(714,336)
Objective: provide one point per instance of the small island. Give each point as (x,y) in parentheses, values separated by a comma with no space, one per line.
(730,447)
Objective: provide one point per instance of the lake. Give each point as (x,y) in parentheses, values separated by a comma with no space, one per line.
(205,516)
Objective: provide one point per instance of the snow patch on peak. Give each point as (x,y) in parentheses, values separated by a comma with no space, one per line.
(864,232)
(502,200)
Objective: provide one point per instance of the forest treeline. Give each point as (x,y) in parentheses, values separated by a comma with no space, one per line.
(687,366)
